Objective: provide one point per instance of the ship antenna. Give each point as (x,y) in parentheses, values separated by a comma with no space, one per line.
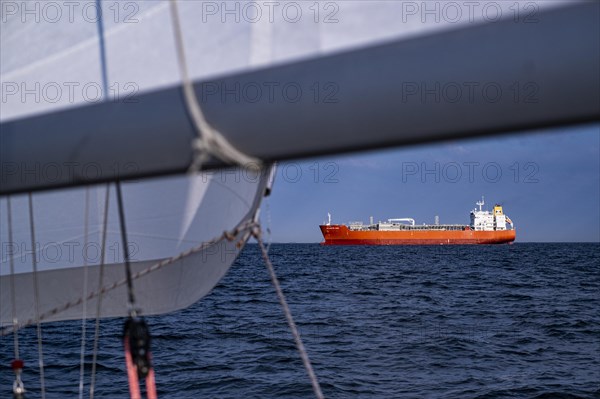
(480,203)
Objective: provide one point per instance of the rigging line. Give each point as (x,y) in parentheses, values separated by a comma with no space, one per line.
(102,45)
(99,301)
(37,298)
(17,363)
(130,294)
(288,315)
(269,236)
(227,235)
(12,279)
(209,142)
(85,289)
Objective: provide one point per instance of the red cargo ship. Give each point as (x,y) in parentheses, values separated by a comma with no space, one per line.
(486,228)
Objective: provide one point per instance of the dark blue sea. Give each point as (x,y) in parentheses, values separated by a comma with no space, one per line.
(509,321)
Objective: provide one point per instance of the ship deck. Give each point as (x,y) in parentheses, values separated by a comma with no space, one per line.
(403,227)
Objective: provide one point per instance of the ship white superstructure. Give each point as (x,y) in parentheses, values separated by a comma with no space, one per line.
(489,220)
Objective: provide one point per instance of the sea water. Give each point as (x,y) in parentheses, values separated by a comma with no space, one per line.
(506,321)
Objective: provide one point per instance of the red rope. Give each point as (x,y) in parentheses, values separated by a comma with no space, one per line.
(151,385)
(132,375)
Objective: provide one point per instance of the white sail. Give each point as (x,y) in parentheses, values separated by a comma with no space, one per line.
(154,221)
(62,66)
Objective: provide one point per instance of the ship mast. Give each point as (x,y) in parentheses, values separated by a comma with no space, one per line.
(480,203)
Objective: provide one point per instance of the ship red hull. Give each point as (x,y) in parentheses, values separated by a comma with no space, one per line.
(342,235)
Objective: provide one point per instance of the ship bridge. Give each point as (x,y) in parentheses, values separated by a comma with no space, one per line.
(489,221)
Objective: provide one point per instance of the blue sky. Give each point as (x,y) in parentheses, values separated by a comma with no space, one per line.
(548,182)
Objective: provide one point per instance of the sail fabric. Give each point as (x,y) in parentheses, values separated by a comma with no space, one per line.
(66,57)
(158,228)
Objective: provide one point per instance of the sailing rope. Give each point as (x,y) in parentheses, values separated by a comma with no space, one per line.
(36,295)
(102,45)
(85,284)
(99,300)
(208,141)
(136,336)
(136,339)
(130,293)
(269,236)
(17,364)
(256,232)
